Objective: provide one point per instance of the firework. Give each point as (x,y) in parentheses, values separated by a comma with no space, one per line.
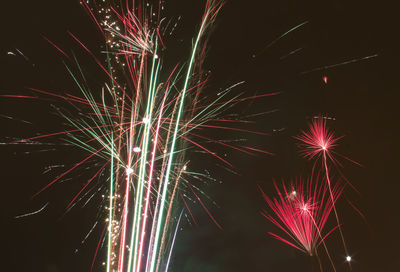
(137,129)
(319,142)
(301,212)
(148,140)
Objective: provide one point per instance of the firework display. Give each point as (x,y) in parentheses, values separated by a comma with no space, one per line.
(148,150)
(140,125)
(141,134)
(303,211)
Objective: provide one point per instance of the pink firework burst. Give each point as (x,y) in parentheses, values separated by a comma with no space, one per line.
(318,140)
(301,212)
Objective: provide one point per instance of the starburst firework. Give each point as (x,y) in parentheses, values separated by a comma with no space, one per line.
(301,212)
(318,142)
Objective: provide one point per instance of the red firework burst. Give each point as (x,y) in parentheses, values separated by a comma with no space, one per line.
(318,140)
(301,212)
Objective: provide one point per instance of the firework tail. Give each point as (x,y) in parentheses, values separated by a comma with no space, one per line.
(334,206)
(173,241)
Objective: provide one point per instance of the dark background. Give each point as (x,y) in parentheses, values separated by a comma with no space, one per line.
(362,96)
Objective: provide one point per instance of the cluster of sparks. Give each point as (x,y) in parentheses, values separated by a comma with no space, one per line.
(140,126)
(143,135)
(303,210)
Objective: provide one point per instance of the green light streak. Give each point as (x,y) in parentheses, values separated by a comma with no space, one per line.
(142,169)
(110,215)
(170,159)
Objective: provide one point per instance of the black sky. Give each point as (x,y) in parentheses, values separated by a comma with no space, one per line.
(362,96)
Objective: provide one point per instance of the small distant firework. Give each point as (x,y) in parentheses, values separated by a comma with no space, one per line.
(301,212)
(318,141)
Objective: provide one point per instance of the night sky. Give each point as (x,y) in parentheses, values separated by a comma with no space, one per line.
(361,96)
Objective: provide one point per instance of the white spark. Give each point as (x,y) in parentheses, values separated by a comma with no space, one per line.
(129,171)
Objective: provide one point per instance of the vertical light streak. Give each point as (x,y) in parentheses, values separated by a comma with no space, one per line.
(334,206)
(142,170)
(149,115)
(124,222)
(110,214)
(173,242)
(171,201)
(150,179)
(134,111)
(172,150)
